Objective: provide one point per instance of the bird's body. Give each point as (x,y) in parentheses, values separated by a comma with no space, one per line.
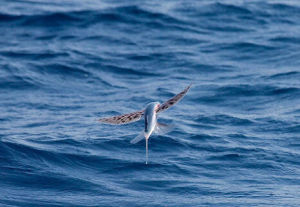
(150,116)
(150,122)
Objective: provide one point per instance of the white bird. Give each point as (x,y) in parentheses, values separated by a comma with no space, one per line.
(150,116)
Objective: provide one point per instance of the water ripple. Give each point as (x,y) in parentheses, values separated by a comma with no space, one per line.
(235,140)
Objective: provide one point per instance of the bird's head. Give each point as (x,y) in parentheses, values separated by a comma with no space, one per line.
(157,105)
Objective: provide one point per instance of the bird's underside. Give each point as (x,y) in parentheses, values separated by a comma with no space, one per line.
(135,116)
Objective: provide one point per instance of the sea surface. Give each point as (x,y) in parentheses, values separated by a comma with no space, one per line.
(236,136)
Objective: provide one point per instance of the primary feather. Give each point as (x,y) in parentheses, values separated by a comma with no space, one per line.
(123,119)
(173,100)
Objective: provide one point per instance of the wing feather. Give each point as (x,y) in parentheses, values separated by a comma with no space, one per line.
(173,100)
(123,119)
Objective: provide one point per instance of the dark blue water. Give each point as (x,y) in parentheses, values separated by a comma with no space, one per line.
(64,64)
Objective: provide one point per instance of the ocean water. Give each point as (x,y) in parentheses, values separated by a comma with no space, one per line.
(236,136)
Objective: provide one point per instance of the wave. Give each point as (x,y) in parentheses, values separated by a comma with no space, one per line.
(33,55)
(126,14)
(121,70)
(256,90)
(19,82)
(62,65)
(285,75)
(224,119)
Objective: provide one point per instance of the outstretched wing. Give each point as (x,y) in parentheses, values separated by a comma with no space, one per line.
(173,100)
(123,119)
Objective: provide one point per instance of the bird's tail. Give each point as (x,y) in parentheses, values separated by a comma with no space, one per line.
(146,151)
(138,138)
(162,129)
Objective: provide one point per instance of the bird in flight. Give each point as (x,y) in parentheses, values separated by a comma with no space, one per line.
(150,116)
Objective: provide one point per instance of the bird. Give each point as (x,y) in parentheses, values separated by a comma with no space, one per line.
(150,116)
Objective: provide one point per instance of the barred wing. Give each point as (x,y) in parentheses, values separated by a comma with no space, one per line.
(173,100)
(123,119)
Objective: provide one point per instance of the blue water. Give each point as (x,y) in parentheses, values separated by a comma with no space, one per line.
(236,136)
